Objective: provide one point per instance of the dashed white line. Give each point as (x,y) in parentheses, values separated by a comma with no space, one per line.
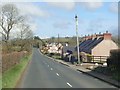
(51,69)
(48,65)
(69,84)
(57,74)
(79,72)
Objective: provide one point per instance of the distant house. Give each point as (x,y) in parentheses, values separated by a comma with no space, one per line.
(55,48)
(98,44)
(67,51)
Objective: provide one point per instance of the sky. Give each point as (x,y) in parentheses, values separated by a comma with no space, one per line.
(49,18)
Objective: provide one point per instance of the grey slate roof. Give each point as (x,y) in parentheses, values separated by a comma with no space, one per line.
(70,48)
(88,45)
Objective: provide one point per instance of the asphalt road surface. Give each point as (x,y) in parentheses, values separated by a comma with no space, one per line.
(43,72)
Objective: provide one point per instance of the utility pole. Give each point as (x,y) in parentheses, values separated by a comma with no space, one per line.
(58,38)
(78,53)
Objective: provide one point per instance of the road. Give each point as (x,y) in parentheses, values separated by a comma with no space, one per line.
(43,72)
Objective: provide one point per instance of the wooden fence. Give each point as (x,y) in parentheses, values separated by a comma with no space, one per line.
(97,59)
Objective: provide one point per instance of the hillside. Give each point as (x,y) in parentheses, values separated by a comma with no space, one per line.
(70,40)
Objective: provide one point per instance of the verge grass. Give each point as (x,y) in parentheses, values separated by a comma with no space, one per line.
(11,76)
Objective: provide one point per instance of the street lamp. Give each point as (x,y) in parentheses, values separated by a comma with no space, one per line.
(78,53)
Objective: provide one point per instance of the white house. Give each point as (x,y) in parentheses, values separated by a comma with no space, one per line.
(98,44)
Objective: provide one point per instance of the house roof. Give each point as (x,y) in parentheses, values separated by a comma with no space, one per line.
(88,45)
(68,48)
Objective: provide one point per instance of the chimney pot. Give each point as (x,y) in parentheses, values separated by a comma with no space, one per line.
(93,36)
(84,38)
(106,31)
(107,36)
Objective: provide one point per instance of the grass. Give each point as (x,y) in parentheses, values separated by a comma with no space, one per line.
(56,56)
(16,48)
(116,76)
(0,81)
(11,76)
(105,70)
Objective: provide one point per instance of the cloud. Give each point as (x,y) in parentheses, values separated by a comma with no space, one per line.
(62,24)
(102,26)
(64,5)
(32,10)
(91,5)
(114,7)
(67,4)
(31,14)
(43,37)
(59,1)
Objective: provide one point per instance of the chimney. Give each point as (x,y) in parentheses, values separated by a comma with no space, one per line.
(88,37)
(107,36)
(93,36)
(84,38)
(99,35)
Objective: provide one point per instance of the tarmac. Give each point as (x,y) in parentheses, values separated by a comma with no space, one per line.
(82,68)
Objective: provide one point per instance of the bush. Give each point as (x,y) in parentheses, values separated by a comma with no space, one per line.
(89,57)
(113,62)
(11,59)
(51,54)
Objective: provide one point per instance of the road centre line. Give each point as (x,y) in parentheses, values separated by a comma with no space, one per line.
(51,69)
(57,74)
(69,84)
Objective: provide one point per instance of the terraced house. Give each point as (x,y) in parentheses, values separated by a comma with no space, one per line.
(98,44)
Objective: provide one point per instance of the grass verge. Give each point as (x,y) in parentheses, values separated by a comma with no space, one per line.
(56,56)
(116,76)
(11,76)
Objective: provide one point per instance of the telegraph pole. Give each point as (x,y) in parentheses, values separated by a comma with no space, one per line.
(58,38)
(78,53)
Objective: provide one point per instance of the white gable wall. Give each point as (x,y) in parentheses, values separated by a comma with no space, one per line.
(103,48)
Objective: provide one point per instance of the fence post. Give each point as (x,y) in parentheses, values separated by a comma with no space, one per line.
(100,59)
(93,58)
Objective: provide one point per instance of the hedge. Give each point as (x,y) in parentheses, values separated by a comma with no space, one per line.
(114,60)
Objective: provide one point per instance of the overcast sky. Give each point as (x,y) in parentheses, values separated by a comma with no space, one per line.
(49,19)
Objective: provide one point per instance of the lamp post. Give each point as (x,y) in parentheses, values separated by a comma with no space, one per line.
(78,53)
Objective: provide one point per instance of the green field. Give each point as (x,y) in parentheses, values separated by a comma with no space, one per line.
(70,40)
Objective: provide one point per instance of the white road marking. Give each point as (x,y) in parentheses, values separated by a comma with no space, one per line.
(48,65)
(79,72)
(57,74)
(51,69)
(69,84)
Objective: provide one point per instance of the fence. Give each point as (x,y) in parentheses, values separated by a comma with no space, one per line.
(97,59)
(11,59)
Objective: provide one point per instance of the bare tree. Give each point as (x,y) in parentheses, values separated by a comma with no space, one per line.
(9,17)
(25,34)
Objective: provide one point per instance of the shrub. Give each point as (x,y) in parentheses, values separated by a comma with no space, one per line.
(11,59)
(113,62)
(89,57)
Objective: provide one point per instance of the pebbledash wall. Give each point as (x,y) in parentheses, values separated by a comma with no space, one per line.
(103,48)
